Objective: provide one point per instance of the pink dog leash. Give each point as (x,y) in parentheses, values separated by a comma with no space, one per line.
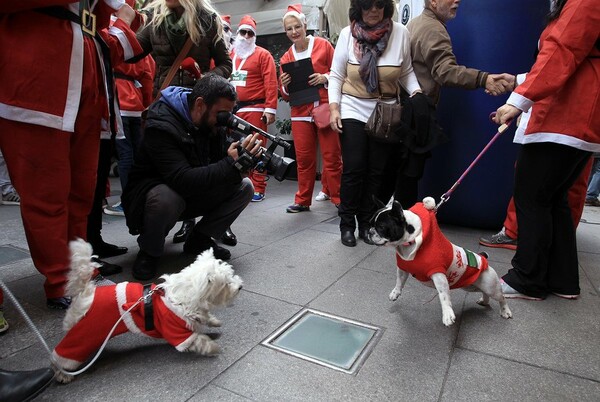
(446,196)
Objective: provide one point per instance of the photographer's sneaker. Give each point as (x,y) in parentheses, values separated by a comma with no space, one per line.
(295,208)
(592,202)
(322,197)
(115,210)
(258,197)
(499,240)
(11,198)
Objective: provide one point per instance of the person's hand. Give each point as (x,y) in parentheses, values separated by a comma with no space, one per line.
(286,78)
(505,113)
(268,118)
(251,144)
(316,79)
(335,119)
(126,13)
(498,84)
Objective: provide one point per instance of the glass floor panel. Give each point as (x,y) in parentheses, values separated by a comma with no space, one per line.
(325,339)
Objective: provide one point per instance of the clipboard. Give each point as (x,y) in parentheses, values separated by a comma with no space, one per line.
(300,92)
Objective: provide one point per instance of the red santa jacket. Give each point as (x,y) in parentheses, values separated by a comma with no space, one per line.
(320,52)
(437,255)
(110,303)
(40,81)
(260,81)
(135,83)
(564,83)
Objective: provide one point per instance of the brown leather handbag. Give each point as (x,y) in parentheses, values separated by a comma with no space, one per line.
(385,120)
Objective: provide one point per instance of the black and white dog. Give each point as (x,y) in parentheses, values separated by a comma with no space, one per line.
(423,251)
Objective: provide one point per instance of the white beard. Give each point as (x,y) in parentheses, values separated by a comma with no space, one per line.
(243,47)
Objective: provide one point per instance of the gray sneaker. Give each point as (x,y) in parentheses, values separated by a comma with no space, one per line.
(499,240)
(11,198)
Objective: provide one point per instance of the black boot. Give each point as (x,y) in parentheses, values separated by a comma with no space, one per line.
(184,232)
(17,386)
(198,243)
(229,238)
(106,250)
(106,268)
(145,266)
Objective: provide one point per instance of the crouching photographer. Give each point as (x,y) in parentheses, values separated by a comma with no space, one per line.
(184,170)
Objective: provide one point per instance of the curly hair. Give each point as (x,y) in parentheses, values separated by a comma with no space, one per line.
(357,6)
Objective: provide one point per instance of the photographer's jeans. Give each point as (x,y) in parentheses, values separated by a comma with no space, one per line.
(164,207)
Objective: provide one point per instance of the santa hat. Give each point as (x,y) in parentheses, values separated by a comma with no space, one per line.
(295,10)
(226,20)
(247,22)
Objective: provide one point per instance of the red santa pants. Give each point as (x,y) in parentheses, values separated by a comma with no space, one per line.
(576,197)
(306,135)
(259,180)
(54,173)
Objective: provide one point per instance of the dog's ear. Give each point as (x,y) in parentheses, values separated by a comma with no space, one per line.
(397,208)
(377,202)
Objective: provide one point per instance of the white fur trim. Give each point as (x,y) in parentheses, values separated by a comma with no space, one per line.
(123,40)
(121,294)
(247,28)
(65,363)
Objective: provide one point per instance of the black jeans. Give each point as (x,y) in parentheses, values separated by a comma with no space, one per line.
(546,257)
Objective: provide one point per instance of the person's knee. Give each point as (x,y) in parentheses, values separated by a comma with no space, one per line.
(247,189)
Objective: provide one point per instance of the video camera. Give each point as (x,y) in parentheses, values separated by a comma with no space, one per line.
(267,160)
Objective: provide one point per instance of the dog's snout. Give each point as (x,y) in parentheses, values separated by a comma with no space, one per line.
(241,287)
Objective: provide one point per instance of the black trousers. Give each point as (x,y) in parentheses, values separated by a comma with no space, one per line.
(355,155)
(546,257)
(94,225)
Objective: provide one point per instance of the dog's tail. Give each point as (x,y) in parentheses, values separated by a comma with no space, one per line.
(82,267)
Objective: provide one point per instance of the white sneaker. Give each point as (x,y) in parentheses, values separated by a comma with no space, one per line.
(511,293)
(322,196)
(115,210)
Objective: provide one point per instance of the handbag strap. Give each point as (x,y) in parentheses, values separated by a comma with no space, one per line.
(381,92)
(173,70)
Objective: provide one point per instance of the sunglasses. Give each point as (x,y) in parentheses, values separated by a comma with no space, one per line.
(367,5)
(245,32)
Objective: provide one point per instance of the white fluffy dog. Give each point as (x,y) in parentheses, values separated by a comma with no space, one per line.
(423,251)
(174,310)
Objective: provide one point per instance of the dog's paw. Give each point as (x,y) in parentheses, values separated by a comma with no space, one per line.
(483,301)
(505,313)
(395,294)
(213,322)
(212,349)
(61,377)
(448,317)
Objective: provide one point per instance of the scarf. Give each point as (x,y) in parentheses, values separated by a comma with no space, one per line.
(176,30)
(370,43)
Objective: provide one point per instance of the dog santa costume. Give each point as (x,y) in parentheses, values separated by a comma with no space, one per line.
(111,303)
(436,254)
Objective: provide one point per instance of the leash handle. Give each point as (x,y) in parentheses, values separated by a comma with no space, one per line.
(503,127)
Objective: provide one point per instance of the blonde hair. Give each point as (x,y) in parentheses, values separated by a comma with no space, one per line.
(191,14)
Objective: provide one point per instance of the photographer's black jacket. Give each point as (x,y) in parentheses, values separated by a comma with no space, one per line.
(175,153)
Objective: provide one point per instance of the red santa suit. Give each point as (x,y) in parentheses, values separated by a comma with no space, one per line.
(111,303)
(437,255)
(52,101)
(306,134)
